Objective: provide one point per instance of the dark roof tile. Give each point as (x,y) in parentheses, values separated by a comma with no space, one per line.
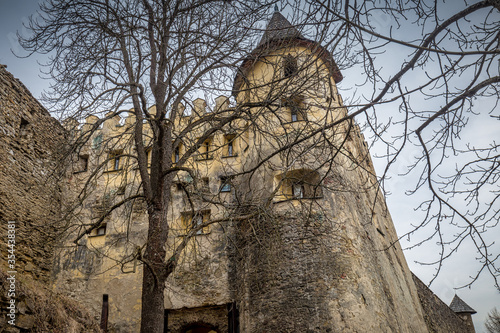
(459,306)
(279,28)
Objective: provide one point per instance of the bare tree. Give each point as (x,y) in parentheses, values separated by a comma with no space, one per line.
(492,323)
(441,74)
(108,56)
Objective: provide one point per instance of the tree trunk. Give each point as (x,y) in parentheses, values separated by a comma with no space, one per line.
(154,275)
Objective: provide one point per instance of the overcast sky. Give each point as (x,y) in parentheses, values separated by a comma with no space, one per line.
(482,296)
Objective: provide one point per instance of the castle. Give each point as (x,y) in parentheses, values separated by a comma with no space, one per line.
(290,232)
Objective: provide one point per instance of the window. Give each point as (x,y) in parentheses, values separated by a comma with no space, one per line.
(229,150)
(104,313)
(96,142)
(295,108)
(205,185)
(99,231)
(176,154)
(23,128)
(298,190)
(191,221)
(114,160)
(120,190)
(82,163)
(225,184)
(205,150)
(179,186)
(290,67)
(299,184)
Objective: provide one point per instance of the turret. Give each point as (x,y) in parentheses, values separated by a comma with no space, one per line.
(464,311)
(324,257)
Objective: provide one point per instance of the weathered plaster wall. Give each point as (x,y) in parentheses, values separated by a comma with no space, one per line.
(438,316)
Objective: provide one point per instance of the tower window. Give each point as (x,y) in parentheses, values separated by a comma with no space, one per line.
(148,155)
(290,67)
(104,313)
(295,108)
(205,185)
(298,190)
(101,231)
(299,184)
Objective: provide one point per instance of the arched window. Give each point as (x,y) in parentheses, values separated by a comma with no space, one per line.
(290,66)
(298,184)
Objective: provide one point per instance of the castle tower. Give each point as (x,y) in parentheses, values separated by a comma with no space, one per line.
(464,311)
(323,254)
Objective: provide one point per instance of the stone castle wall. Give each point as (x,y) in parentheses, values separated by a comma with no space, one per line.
(438,316)
(30,143)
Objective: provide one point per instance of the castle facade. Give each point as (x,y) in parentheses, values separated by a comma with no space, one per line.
(279,214)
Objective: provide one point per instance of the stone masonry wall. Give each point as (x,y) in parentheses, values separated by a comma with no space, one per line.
(30,140)
(438,316)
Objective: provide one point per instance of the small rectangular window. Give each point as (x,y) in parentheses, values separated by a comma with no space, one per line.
(82,163)
(290,66)
(100,231)
(176,154)
(295,107)
(205,150)
(104,313)
(229,147)
(115,160)
(191,221)
(225,184)
(205,185)
(120,190)
(148,155)
(298,190)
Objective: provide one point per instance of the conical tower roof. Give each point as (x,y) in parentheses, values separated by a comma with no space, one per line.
(459,306)
(279,28)
(280,33)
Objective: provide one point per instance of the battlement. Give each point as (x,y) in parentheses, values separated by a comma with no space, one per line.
(116,122)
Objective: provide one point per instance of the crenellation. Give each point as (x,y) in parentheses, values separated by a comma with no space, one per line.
(199,107)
